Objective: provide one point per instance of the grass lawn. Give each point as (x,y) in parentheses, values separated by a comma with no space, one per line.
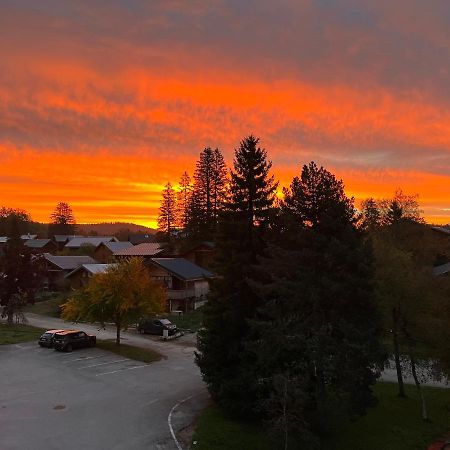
(129,351)
(191,320)
(394,424)
(15,334)
(48,307)
(216,432)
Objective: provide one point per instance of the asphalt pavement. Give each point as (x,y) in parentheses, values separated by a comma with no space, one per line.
(94,399)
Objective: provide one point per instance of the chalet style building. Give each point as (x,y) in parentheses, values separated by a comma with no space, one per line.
(38,246)
(80,276)
(57,267)
(186,283)
(105,251)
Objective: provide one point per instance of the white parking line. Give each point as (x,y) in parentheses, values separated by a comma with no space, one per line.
(85,358)
(103,364)
(121,370)
(169,420)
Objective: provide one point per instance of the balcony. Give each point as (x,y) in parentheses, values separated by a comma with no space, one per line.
(180,294)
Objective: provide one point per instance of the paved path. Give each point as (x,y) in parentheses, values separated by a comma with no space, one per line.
(107,403)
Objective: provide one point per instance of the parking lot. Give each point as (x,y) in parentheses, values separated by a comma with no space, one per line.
(90,399)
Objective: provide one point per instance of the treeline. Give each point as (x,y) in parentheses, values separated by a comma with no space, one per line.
(312,296)
(195,207)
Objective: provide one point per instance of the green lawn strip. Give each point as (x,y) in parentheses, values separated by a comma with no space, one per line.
(216,432)
(50,307)
(15,334)
(395,423)
(192,320)
(130,351)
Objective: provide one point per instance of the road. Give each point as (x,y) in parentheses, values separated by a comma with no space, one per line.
(93,399)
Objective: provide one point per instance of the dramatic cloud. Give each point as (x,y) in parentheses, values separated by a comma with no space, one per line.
(102,102)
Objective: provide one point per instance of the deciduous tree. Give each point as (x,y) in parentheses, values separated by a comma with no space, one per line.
(121,295)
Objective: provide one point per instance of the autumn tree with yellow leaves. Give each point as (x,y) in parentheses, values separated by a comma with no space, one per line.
(121,295)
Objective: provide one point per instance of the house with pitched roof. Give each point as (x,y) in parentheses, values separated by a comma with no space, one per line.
(38,246)
(186,283)
(57,267)
(77,242)
(105,252)
(80,276)
(145,250)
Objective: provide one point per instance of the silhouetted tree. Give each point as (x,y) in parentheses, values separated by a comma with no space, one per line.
(225,365)
(208,193)
(20,277)
(318,329)
(167,212)
(62,220)
(14,222)
(184,195)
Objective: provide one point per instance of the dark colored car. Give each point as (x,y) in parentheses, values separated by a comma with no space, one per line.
(46,340)
(156,326)
(69,340)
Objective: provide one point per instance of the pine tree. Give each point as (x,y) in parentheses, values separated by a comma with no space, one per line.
(318,326)
(184,195)
(222,357)
(219,184)
(252,189)
(167,211)
(208,193)
(62,220)
(371,215)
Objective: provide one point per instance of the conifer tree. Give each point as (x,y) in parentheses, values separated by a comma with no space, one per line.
(167,211)
(62,220)
(318,328)
(222,357)
(184,195)
(208,193)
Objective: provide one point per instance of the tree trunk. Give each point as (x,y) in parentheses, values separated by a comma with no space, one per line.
(118,333)
(401,387)
(416,380)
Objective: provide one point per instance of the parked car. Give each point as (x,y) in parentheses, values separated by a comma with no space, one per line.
(71,339)
(156,326)
(46,339)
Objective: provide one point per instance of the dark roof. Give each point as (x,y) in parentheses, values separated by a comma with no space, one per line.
(140,238)
(117,246)
(442,269)
(68,262)
(182,268)
(91,268)
(28,236)
(146,249)
(77,242)
(37,243)
(64,237)
(441,229)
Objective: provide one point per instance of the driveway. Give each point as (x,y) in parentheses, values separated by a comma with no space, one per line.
(93,399)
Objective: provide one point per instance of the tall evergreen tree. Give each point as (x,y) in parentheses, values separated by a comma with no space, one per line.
(167,211)
(208,193)
(184,195)
(225,365)
(219,184)
(318,329)
(62,220)
(252,188)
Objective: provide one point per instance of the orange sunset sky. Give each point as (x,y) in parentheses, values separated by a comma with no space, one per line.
(102,102)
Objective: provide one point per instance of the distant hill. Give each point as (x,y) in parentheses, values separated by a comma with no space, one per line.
(109,229)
